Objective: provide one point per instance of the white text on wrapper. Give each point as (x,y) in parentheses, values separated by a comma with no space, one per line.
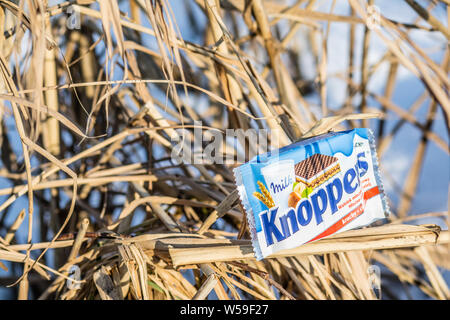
(316,205)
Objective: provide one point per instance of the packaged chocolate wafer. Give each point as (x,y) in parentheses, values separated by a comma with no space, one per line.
(311,189)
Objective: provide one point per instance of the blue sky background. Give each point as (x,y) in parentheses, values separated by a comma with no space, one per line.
(432,193)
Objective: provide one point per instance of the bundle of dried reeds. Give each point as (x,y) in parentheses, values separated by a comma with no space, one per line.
(95,97)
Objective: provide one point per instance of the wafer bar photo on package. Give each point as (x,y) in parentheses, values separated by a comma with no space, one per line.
(311,189)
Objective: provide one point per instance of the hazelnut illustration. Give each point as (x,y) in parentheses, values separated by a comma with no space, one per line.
(294,198)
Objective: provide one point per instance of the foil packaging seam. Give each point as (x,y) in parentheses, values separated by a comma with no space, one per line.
(248,211)
(377,173)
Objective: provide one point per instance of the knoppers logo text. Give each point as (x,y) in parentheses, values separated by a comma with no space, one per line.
(314,206)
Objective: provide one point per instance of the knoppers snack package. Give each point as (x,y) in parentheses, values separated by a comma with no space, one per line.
(311,189)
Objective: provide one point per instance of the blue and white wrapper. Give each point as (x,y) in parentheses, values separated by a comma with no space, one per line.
(311,189)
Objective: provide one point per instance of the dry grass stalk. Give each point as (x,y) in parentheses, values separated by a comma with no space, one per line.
(16,224)
(105,285)
(88,124)
(228,251)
